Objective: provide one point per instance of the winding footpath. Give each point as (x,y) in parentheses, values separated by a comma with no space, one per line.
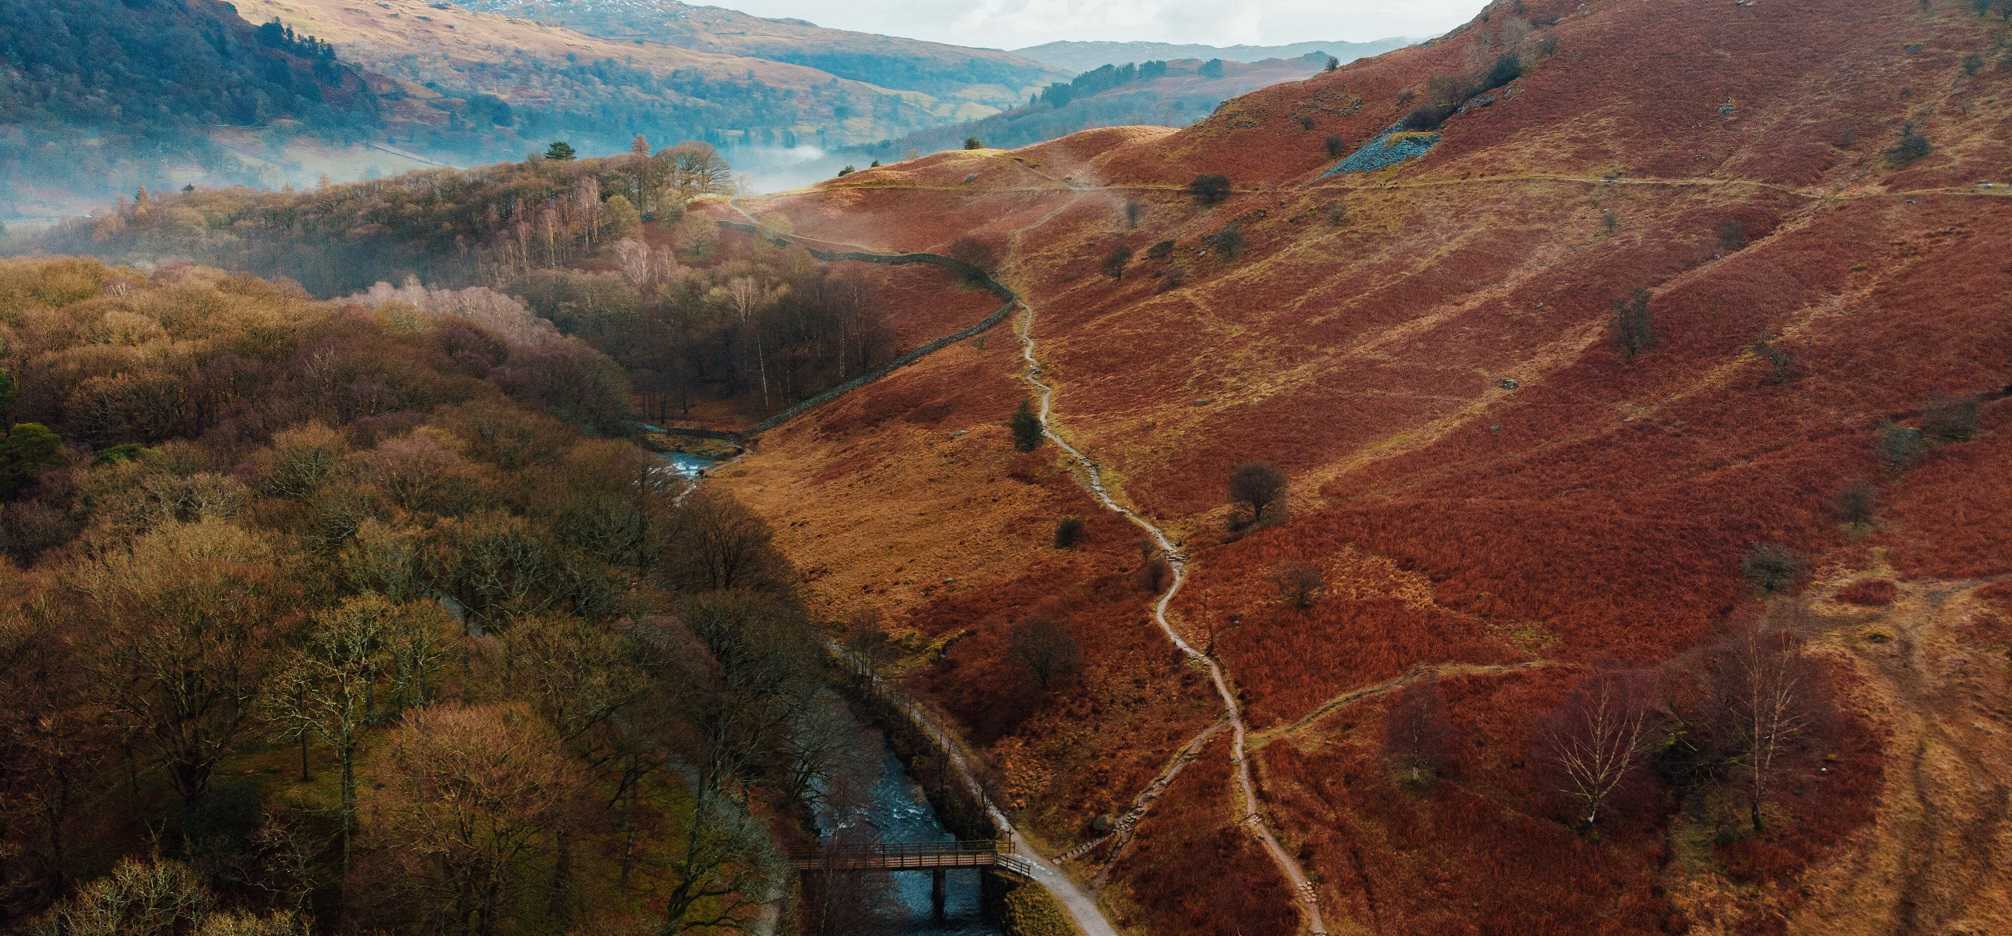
(1249,809)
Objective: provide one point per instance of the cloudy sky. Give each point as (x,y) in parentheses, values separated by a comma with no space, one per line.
(1016,23)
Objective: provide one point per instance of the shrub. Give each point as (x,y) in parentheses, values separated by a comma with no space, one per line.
(1430,116)
(1973,63)
(1227,242)
(1732,236)
(1160,251)
(1115,261)
(1772,568)
(1781,367)
(1305,122)
(1134,213)
(979,255)
(846,171)
(1069,532)
(1026,427)
(1209,189)
(1857,504)
(1335,146)
(1900,446)
(1337,214)
(1257,494)
(972,143)
(1950,421)
(1506,69)
(1910,149)
(1634,329)
(1154,571)
(1300,585)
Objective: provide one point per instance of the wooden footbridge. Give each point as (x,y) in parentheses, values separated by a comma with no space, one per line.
(994,855)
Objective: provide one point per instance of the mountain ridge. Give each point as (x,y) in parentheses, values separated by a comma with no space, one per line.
(1084,55)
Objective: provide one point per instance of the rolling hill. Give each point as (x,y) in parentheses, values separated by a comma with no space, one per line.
(98,96)
(509,83)
(1615,357)
(984,76)
(1160,93)
(1080,56)
(1687,321)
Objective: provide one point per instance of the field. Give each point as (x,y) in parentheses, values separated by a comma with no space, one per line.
(1494,490)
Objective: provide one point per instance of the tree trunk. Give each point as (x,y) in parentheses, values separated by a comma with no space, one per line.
(560,905)
(348,801)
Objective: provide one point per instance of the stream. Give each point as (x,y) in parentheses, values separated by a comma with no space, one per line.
(897,812)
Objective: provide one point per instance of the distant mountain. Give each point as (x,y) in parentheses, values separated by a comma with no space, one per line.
(986,76)
(98,96)
(1168,94)
(1084,56)
(480,86)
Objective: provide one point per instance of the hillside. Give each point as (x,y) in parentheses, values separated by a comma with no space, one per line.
(484,86)
(1508,476)
(984,76)
(1080,56)
(100,96)
(1158,93)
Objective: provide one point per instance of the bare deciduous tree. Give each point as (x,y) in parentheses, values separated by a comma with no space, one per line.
(1043,644)
(326,689)
(1301,585)
(724,544)
(467,792)
(1596,738)
(1766,695)
(185,624)
(1418,738)
(1259,490)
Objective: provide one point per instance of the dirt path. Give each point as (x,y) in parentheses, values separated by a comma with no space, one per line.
(1249,808)
(1321,712)
(1933,859)
(1081,906)
(1126,823)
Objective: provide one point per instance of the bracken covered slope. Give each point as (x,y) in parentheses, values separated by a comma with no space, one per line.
(1495,493)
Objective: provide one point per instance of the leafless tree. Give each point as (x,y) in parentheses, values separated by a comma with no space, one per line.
(867,645)
(724,544)
(184,625)
(1767,694)
(1301,585)
(325,690)
(1259,490)
(467,793)
(1043,644)
(1418,738)
(1596,738)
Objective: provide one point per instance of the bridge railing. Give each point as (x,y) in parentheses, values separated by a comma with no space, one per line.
(896,855)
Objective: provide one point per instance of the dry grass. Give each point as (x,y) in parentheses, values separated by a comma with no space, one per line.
(1595,510)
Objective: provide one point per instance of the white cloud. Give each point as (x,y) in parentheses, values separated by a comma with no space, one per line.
(1016,23)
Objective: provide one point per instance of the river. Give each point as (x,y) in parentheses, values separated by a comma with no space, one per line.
(897,812)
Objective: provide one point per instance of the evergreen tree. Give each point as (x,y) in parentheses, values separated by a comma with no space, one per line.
(560,151)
